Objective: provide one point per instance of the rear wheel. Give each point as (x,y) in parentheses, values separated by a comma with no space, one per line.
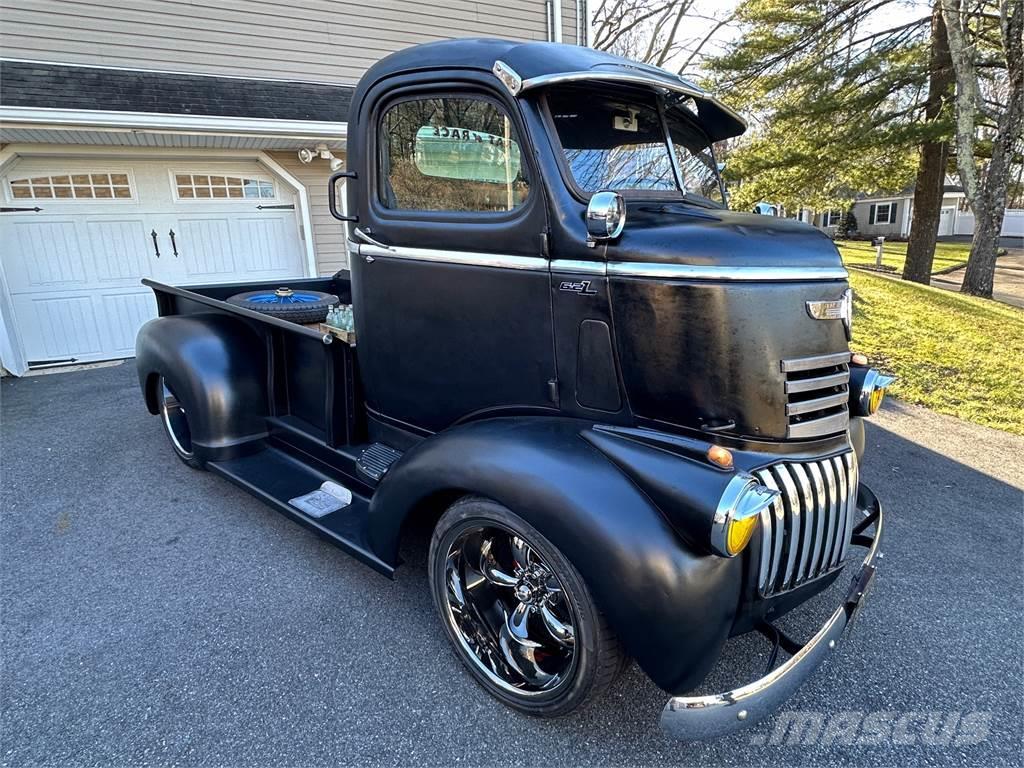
(517,612)
(175,421)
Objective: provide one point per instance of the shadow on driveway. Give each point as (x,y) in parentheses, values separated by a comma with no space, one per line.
(154,614)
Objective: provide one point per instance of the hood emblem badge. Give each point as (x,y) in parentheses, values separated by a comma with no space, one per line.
(834,309)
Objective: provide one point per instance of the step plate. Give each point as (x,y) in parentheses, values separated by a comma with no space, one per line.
(375,460)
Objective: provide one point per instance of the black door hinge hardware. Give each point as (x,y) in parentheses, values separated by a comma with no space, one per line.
(287,206)
(37,209)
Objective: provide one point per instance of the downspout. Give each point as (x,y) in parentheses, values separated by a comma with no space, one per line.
(556,26)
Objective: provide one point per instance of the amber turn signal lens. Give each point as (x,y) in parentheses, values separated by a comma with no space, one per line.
(721,456)
(739,533)
(875,400)
(859,359)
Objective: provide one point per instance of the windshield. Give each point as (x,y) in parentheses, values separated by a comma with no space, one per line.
(620,143)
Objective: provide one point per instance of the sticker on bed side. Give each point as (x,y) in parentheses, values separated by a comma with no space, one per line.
(328,498)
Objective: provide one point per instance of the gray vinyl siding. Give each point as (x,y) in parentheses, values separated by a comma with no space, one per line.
(320,40)
(862,211)
(328,232)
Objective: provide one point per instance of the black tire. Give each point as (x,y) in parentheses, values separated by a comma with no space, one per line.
(304,312)
(596,655)
(175,423)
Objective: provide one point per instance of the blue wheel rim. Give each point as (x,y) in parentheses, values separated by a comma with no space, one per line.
(294,298)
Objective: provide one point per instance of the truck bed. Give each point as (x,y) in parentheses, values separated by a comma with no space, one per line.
(316,427)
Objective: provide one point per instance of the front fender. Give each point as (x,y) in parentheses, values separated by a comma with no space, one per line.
(217,367)
(671,604)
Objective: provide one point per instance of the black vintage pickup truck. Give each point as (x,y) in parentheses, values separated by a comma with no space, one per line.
(630,415)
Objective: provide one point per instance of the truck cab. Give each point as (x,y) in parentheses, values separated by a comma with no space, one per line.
(630,415)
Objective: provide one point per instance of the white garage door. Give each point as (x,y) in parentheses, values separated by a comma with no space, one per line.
(73,266)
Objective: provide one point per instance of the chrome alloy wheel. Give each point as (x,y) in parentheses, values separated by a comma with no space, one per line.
(175,421)
(509,611)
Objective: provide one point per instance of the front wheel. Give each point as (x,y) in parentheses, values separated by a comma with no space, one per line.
(518,613)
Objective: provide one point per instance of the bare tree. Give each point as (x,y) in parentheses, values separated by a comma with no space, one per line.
(657,31)
(983,34)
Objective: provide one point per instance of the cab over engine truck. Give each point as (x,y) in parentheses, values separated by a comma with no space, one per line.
(630,415)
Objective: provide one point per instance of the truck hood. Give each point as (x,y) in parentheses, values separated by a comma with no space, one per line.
(677,233)
(712,326)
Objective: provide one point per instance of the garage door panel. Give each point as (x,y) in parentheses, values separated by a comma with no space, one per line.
(119,250)
(122,315)
(58,326)
(42,255)
(265,244)
(205,248)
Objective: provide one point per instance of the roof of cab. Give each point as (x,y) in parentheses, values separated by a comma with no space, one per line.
(540,64)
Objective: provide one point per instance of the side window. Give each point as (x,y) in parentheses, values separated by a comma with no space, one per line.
(450,154)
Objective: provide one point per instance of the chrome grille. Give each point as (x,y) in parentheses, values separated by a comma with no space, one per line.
(817,394)
(807,529)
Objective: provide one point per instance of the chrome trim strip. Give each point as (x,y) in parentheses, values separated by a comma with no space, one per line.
(718,714)
(575,267)
(821,382)
(725,274)
(624,77)
(807,527)
(837,422)
(474,258)
(818,361)
(766,543)
(817,404)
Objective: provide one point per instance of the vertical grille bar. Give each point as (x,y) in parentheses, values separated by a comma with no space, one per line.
(841,477)
(777,521)
(807,526)
(851,506)
(791,502)
(807,529)
(821,520)
(831,522)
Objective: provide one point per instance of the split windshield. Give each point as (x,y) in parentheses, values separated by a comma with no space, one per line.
(626,144)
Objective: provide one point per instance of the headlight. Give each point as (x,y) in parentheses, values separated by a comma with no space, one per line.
(737,514)
(868,396)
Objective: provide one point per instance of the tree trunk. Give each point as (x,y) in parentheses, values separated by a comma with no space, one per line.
(931,171)
(990,205)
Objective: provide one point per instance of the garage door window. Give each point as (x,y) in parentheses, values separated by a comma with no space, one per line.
(73,186)
(201,186)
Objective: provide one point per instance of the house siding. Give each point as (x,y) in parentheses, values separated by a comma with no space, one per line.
(314,40)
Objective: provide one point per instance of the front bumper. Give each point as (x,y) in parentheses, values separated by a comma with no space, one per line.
(703,717)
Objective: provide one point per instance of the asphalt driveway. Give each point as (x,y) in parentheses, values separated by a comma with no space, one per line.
(154,615)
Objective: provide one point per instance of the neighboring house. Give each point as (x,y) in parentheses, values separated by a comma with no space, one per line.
(890,215)
(161,140)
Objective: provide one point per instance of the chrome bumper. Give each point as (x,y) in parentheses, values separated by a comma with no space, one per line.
(704,717)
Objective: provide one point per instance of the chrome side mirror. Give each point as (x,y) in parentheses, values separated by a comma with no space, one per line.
(606,216)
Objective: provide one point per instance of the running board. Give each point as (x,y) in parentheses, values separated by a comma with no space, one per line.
(274,477)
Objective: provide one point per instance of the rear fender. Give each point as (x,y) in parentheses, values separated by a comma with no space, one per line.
(216,365)
(671,604)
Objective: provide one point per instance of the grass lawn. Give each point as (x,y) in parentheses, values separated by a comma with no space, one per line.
(895,254)
(954,354)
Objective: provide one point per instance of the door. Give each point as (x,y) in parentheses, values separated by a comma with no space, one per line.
(946,221)
(77,236)
(454,315)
